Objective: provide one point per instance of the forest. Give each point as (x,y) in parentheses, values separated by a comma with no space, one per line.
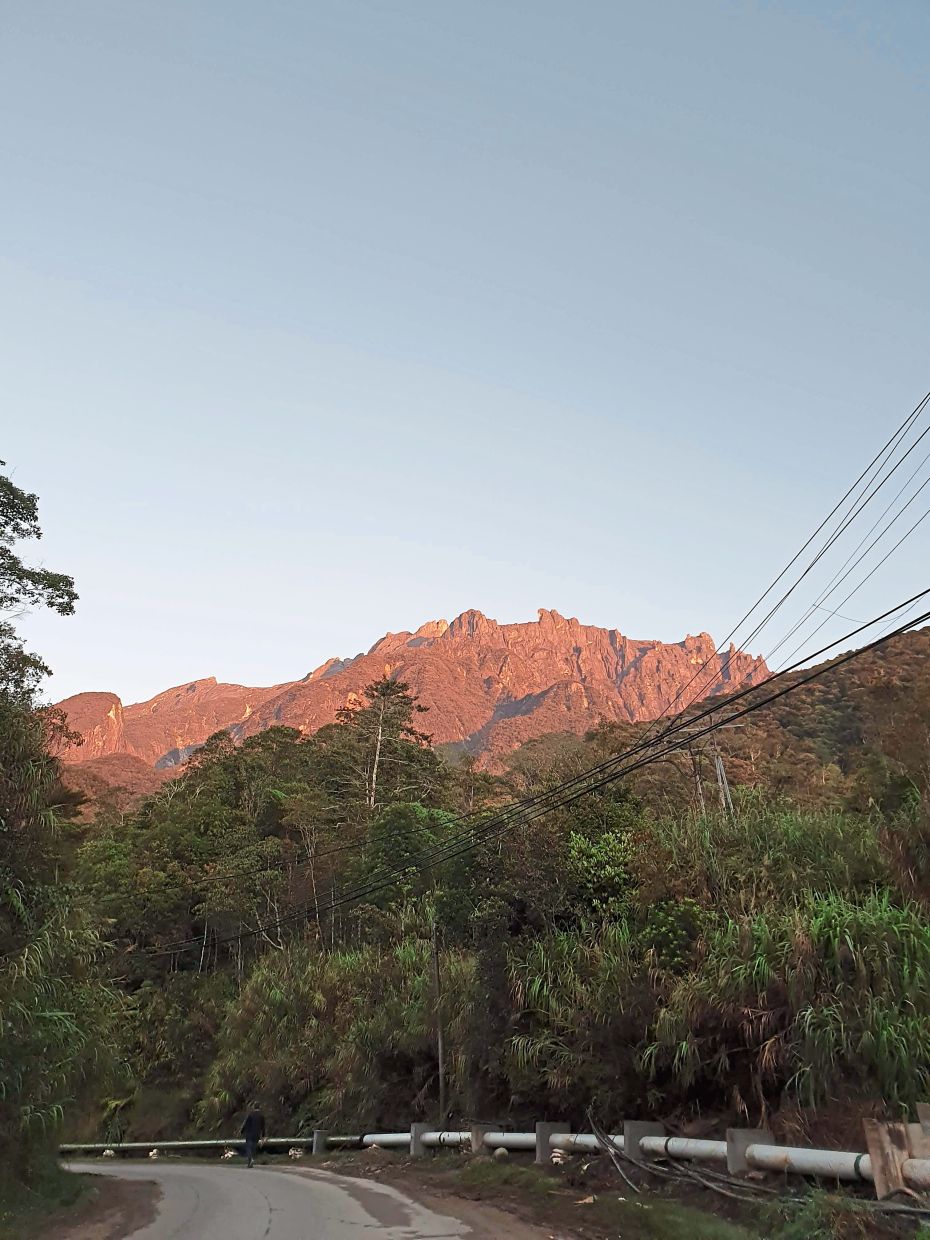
(272,924)
(271,918)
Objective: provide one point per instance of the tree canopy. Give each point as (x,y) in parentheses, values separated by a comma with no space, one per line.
(56,1007)
(23,587)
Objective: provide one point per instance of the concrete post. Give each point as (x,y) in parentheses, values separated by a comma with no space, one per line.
(319,1140)
(417,1148)
(477,1137)
(545,1130)
(739,1141)
(633,1132)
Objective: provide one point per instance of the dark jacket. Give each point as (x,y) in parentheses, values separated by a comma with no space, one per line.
(254,1127)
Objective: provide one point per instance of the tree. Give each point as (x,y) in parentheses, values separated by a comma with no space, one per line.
(55,1015)
(213,854)
(385,750)
(22,587)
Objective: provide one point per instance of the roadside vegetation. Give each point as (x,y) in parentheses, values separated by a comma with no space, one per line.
(266,926)
(627,954)
(57,1008)
(26,1207)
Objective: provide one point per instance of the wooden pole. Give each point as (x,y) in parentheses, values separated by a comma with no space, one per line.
(726,801)
(440,1036)
(697,782)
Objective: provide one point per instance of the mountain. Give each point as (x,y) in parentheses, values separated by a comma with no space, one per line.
(489,688)
(857,737)
(115,781)
(163,730)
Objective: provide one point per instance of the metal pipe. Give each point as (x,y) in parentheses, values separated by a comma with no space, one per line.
(95,1147)
(829,1164)
(685,1147)
(579,1142)
(387,1140)
(832,1164)
(443,1139)
(510,1140)
(99,1147)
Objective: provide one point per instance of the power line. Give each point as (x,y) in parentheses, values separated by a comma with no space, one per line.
(235,875)
(870,488)
(469,845)
(920,520)
(840,575)
(537,807)
(683,742)
(877,464)
(540,802)
(880,460)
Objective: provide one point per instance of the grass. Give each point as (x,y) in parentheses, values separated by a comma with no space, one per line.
(826,1216)
(655,1214)
(489,1177)
(23,1210)
(643,1217)
(666,1220)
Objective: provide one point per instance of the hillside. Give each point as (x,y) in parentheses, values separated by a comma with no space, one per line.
(858,736)
(588,952)
(489,688)
(115,781)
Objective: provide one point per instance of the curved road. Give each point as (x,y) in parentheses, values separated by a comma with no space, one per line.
(210,1202)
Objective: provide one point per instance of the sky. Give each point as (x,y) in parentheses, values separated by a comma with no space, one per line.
(322,320)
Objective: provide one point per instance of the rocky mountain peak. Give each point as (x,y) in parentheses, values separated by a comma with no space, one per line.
(489,687)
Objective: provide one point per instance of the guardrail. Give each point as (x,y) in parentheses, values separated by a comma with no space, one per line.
(743,1150)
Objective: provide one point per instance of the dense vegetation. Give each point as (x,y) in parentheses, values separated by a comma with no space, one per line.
(266,925)
(630,952)
(56,1010)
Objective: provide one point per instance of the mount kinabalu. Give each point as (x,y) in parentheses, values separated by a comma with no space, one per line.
(489,687)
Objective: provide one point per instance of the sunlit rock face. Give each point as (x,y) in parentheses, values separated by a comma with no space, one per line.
(489,687)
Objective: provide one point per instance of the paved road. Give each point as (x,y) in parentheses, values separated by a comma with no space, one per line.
(263,1203)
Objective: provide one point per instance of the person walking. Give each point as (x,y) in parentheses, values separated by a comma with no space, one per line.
(254,1131)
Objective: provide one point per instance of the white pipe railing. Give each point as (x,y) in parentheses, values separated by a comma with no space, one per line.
(510,1140)
(387,1140)
(684,1147)
(227,1143)
(834,1164)
(827,1164)
(578,1142)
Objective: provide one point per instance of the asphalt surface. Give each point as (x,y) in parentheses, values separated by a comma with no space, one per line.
(262,1203)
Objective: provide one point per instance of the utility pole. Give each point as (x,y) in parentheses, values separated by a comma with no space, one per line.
(712,750)
(726,801)
(697,781)
(440,1034)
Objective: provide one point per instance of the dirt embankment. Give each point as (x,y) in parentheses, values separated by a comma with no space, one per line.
(109,1210)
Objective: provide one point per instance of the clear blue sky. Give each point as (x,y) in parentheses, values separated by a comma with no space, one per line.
(324,319)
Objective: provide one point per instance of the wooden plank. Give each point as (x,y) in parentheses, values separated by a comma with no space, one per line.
(888,1149)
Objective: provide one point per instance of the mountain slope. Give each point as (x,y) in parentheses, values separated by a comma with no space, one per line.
(489,687)
(857,737)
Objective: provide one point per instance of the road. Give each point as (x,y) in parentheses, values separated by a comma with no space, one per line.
(211,1202)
